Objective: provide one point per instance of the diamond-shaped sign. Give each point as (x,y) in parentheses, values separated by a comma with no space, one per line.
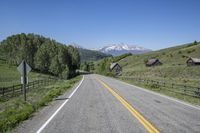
(20,68)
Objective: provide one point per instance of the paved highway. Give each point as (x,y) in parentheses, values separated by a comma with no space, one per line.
(104,105)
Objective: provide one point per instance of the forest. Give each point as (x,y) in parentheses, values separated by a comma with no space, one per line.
(42,54)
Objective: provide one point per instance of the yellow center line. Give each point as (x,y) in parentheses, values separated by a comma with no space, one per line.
(135,113)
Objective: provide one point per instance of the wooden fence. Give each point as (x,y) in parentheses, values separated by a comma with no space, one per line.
(18,89)
(177,88)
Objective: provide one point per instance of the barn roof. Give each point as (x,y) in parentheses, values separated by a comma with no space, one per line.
(113,65)
(196,60)
(152,61)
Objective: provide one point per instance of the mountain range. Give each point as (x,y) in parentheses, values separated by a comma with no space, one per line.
(118,49)
(110,50)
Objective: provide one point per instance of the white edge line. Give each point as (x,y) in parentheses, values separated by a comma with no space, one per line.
(54,114)
(170,98)
(161,95)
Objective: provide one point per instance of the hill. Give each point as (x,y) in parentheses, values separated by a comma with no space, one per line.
(174,68)
(42,54)
(91,55)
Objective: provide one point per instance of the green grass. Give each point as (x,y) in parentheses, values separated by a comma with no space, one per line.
(174,68)
(15,110)
(9,75)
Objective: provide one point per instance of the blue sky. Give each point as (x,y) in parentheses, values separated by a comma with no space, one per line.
(152,24)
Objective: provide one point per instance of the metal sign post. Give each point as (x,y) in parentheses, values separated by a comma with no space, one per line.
(24,69)
(24,80)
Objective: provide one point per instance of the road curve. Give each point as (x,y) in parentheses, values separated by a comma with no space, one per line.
(106,105)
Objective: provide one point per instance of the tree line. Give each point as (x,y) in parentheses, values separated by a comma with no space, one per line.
(42,54)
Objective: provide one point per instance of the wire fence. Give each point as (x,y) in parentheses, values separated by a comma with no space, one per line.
(15,90)
(176,88)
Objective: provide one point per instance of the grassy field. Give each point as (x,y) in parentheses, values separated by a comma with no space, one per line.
(15,110)
(9,75)
(174,68)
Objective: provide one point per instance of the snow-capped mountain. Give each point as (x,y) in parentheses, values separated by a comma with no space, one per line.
(118,49)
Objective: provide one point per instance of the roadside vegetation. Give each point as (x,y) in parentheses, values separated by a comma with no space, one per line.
(15,110)
(87,66)
(163,90)
(173,70)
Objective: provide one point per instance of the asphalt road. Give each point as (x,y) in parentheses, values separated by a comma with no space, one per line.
(105,105)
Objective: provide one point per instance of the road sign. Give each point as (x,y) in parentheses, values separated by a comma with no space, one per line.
(20,68)
(24,69)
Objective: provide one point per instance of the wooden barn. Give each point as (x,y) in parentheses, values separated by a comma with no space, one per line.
(193,61)
(115,68)
(153,62)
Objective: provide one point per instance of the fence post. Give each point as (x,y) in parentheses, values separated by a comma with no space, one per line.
(21,88)
(198,92)
(3,92)
(184,89)
(13,89)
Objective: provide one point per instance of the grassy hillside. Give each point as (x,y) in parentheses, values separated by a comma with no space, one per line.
(10,76)
(102,66)
(174,68)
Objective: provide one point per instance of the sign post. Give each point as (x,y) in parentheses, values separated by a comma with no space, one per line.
(24,69)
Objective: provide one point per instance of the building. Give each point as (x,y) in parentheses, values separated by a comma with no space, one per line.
(115,68)
(153,62)
(193,61)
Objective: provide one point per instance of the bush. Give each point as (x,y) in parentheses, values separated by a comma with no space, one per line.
(65,74)
(13,116)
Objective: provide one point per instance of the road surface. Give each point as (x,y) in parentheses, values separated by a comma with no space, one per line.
(104,105)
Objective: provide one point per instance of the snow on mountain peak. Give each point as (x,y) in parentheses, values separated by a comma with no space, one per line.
(117,49)
(122,47)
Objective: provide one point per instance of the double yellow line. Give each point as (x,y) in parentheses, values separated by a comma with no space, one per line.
(150,128)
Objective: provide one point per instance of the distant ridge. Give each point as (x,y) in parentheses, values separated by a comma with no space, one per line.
(91,55)
(118,49)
